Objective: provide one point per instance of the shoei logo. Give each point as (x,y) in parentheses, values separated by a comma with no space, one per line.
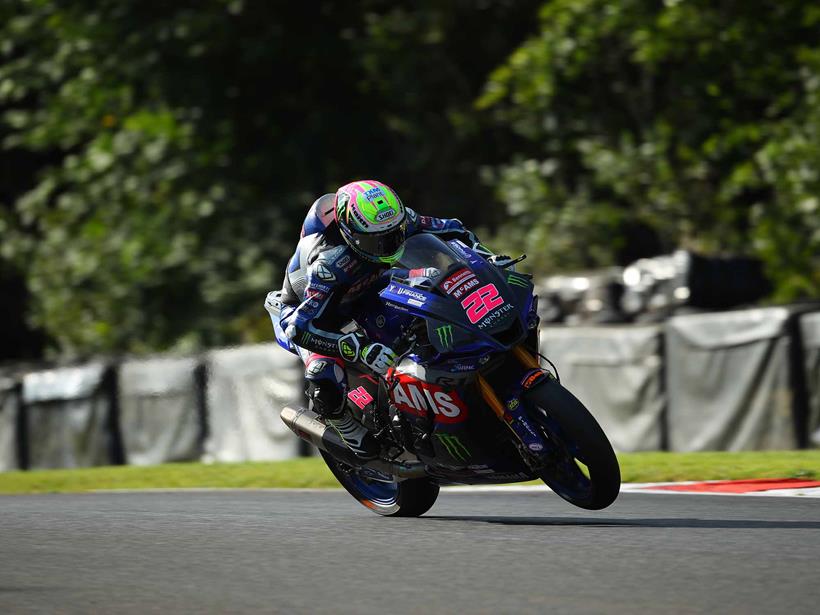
(385,214)
(420,398)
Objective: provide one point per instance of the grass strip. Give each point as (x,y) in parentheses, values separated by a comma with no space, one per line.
(311,472)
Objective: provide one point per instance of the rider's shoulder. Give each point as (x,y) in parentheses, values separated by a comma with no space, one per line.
(333,263)
(320,215)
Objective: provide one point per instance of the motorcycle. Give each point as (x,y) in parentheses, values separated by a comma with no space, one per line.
(468,401)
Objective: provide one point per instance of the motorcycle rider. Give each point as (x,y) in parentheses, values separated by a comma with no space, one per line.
(348,239)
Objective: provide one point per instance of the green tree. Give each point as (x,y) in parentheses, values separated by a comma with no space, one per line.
(694,120)
(164,154)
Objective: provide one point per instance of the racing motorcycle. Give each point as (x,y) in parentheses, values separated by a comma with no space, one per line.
(468,401)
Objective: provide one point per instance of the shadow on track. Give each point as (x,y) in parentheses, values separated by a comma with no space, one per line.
(659,523)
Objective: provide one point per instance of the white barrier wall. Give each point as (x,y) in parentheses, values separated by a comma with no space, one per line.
(728,381)
(68,414)
(810,333)
(159,411)
(616,372)
(247,387)
(8,425)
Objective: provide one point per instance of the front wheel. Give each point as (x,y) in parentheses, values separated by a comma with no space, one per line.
(407,498)
(583,468)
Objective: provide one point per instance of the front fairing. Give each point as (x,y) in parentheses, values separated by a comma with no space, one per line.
(470,313)
(470,307)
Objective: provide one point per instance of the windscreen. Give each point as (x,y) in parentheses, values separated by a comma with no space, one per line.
(425,250)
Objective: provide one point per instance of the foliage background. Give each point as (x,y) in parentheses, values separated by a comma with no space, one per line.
(156,158)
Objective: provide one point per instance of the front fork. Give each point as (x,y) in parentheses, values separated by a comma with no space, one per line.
(512,412)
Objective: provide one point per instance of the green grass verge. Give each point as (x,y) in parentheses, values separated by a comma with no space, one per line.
(635,467)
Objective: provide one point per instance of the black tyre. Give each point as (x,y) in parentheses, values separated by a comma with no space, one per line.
(583,468)
(407,498)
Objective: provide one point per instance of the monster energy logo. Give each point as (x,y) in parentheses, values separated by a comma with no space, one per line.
(455,448)
(518,280)
(445,335)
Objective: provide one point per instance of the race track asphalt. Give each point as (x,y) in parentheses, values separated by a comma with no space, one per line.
(309,552)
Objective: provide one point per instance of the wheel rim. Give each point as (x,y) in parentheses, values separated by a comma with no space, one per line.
(569,476)
(379,493)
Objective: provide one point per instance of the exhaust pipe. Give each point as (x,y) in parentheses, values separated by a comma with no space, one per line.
(306,424)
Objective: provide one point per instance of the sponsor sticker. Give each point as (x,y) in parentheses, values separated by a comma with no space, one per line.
(531,379)
(314,342)
(323,273)
(420,297)
(481,302)
(453,281)
(349,347)
(360,397)
(461,290)
(463,367)
(515,279)
(341,202)
(495,316)
(421,398)
(454,446)
(316,367)
(315,294)
(445,336)
(385,214)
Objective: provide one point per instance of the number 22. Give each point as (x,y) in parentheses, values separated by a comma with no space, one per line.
(479,303)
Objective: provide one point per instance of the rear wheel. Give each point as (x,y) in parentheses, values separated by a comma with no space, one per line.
(407,498)
(583,468)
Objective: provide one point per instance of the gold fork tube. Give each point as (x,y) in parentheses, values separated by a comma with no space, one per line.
(490,397)
(525,358)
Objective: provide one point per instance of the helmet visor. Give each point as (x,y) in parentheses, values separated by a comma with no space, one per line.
(385,246)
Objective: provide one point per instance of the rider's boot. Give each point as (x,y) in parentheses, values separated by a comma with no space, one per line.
(355,435)
(329,403)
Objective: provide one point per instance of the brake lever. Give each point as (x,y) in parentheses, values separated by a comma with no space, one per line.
(513,262)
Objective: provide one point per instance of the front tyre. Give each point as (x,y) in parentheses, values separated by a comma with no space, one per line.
(583,468)
(408,498)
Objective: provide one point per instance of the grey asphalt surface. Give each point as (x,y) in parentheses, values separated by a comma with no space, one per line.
(297,552)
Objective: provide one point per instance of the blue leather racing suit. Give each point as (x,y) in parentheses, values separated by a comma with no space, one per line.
(323,280)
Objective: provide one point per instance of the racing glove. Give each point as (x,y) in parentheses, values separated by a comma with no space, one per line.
(376,356)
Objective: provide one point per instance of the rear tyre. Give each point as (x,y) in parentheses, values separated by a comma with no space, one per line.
(583,468)
(408,498)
